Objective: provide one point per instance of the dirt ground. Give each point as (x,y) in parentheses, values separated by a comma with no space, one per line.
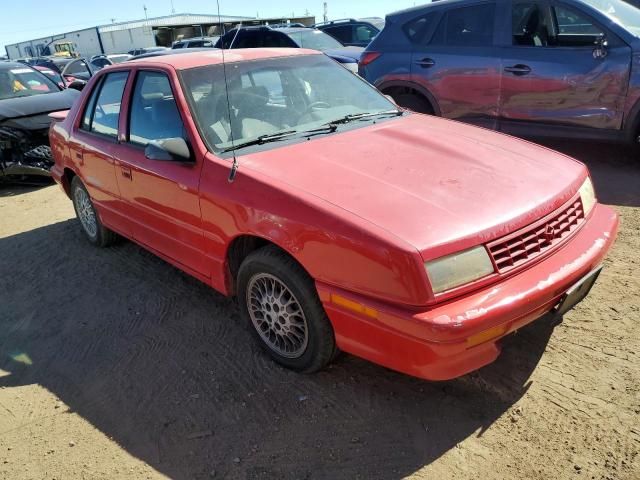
(114,364)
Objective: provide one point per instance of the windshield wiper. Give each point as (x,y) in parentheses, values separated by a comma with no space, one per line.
(262,139)
(358,116)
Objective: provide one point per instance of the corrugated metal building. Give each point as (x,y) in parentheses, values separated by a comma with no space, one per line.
(124,36)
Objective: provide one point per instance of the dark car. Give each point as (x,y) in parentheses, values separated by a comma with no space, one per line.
(197,42)
(564,68)
(141,51)
(26,98)
(352,32)
(266,37)
(170,51)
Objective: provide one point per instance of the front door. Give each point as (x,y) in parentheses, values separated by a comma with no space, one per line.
(554,72)
(92,148)
(163,196)
(460,64)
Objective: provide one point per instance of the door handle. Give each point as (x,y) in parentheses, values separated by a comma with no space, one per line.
(426,62)
(518,70)
(126,172)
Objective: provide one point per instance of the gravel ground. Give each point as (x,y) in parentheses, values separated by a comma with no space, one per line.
(114,364)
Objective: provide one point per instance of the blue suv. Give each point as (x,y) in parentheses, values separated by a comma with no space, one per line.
(566,68)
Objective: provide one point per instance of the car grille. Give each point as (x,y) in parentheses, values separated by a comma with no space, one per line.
(523,246)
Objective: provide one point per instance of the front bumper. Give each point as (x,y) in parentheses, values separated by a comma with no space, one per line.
(435,344)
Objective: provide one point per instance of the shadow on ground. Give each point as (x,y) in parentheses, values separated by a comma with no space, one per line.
(161,364)
(615,169)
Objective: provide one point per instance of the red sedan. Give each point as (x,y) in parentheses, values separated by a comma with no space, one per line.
(338,221)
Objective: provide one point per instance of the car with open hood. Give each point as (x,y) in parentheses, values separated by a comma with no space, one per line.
(338,220)
(27,96)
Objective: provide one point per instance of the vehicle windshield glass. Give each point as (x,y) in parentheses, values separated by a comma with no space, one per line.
(23,82)
(271,96)
(620,12)
(314,39)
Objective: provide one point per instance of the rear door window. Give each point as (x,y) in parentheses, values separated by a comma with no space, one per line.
(343,33)
(364,33)
(105,111)
(417,29)
(468,26)
(154,113)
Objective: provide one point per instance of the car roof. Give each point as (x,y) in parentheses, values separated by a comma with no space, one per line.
(432,5)
(12,65)
(296,29)
(215,57)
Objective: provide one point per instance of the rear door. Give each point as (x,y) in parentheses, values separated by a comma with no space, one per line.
(92,148)
(459,63)
(554,73)
(162,196)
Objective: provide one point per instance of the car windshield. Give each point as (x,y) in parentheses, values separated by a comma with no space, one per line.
(273,96)
(23,82)
(314,39)
(620,12)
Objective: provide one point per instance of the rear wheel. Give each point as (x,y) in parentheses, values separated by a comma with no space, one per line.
(279,301)
(413,101)
(93,229)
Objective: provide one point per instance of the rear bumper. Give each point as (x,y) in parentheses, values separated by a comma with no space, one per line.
(436,344)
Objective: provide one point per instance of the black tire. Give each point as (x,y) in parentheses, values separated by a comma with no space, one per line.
(415,103)
(270,262)
(102,236)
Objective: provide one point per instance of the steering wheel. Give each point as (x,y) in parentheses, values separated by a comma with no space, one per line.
(315,105)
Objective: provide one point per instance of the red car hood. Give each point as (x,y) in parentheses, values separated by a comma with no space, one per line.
(431,182)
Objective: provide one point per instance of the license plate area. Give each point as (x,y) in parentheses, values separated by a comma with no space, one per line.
(577,293)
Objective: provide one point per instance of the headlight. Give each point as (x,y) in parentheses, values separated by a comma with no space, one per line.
(457,269)
(588,196)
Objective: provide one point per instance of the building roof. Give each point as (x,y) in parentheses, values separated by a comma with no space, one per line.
(215,56)
(171,20)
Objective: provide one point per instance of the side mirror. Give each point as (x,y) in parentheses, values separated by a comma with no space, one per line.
(169,150)
(77,85)
(601,47)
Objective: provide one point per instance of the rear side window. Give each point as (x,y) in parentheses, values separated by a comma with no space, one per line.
(469,26)
(417,29)
(342,33)
(364,33)
(103,112)
(154,113)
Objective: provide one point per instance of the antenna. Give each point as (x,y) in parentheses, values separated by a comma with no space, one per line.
(234,165)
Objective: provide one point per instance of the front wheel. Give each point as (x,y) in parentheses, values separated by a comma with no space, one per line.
(279,301)
(92,227)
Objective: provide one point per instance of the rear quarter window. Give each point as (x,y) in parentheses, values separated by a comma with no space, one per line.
(417,29)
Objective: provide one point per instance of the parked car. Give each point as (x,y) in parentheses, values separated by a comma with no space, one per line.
(103,60)
(352,32)
(26,98)
(559,68)
(52,74)
(171,51)
(336,219)
(141,51)
(198,42)
(266,37)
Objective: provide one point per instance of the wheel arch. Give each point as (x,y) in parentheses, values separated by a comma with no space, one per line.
(239,248)
(631,125)
(384,87)
(66,179)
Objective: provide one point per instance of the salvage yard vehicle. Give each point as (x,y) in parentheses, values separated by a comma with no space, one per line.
(566,68)
(339,221)
(352,32)
(26,98)
(295,37)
